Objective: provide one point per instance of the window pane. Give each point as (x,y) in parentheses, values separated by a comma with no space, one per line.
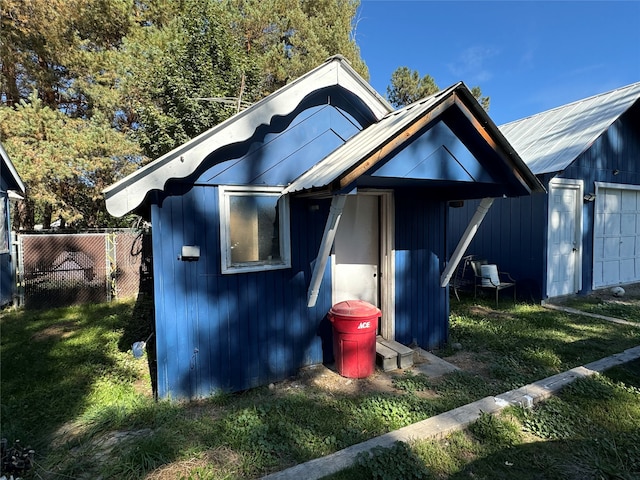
(254,229)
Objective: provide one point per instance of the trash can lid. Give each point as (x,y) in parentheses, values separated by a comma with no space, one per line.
(354,308)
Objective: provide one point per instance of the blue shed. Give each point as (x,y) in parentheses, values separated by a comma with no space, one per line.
(10,181)
(318,193)
(585,233)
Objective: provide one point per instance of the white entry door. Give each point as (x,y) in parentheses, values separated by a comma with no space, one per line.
(356,256)
(564,245)
(616,256)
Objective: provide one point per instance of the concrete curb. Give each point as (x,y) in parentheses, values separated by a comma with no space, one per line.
(574,311)
(459,418)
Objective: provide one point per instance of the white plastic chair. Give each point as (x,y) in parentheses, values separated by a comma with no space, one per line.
(489,277)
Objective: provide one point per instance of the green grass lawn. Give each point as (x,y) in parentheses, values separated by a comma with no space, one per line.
(622,308)
(73,391)
(591,430)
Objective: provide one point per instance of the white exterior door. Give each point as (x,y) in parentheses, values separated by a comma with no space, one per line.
(564,243)
(356,256)
(616,238)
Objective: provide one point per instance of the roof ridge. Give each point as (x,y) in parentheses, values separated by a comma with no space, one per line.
(580,100)
(551,140)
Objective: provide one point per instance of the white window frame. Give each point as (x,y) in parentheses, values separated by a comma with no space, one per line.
(228,267)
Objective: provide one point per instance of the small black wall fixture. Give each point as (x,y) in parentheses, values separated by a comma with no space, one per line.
(589,197)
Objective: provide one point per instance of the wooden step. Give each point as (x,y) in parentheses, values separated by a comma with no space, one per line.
(403,354)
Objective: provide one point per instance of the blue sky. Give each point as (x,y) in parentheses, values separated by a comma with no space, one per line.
(526,56)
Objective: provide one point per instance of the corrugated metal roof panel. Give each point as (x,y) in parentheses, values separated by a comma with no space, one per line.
(550,141)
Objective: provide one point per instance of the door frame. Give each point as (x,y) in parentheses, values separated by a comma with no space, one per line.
(386,259)
(577,187)
(387,265)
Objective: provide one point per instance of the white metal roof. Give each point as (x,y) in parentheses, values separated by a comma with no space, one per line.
(7,164)
(129,193)
(550,141)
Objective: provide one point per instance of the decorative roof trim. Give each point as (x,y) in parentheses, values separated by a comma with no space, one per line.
(130,192)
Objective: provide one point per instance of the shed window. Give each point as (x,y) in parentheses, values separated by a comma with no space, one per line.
(254,229)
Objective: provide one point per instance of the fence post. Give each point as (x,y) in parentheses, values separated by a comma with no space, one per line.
(111,266)
(17,266)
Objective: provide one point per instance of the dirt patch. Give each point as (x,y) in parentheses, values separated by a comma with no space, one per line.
(469,362)
(68,433)
(488,312)
(327,379)
(631,295)
(220,459)
(55,332)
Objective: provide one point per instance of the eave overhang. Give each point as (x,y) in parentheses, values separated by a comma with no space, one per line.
(14,182)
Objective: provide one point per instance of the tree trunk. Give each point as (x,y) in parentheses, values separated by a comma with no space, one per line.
(12,95)
(46,219)
(25,215)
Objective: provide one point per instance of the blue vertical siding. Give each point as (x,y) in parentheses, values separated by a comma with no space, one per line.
(6,267)
(6,279)
(422,308)
(512,235)
(231,332)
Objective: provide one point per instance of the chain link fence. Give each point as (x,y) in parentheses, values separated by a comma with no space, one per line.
(60,269)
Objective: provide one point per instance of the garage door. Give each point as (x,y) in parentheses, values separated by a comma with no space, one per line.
(616,258)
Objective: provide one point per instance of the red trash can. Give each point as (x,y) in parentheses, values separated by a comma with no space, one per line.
(355,326)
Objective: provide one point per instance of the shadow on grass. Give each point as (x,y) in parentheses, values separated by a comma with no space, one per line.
(533,341)
(563,460)
(546,460)
(589,431)
(53,363)
(50,362)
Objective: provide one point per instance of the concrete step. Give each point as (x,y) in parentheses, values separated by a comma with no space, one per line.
(390,351)
(386,358)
